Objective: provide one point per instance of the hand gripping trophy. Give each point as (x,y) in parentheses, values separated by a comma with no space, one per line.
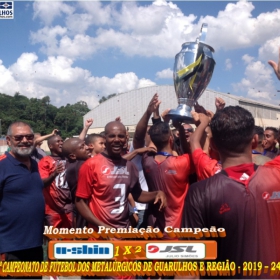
(193,69)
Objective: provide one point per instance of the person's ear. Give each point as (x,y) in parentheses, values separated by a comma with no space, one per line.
(8,139)
(255,141)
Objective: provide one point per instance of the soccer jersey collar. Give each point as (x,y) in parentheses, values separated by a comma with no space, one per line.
(110,158)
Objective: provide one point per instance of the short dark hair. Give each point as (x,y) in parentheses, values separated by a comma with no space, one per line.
(160,133)
(273,129)
(232,129)
(51,140)
(91,138)
(259,130)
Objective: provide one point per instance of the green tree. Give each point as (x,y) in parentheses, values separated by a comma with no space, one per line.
(41,114)
(103,99)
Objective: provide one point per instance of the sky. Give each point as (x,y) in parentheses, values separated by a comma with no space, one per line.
(82,50)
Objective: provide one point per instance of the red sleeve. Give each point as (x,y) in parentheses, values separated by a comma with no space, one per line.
(188,165)
(275,162)
(46,166)
(205,167)
(85,180)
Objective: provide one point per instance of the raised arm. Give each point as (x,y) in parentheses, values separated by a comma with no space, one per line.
(87,125)
(42,138)
(140,151)
(276,66)
(196,137)
(141,128)
(219,103)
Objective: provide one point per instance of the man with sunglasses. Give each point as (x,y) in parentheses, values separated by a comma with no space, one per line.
(188,131)
(22,203)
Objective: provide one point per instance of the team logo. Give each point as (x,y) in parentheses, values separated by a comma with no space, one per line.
(224,208)
(105,170)
(85,250)
(6,10)
(275,195)
(121,170)
(182,250)
(266,195)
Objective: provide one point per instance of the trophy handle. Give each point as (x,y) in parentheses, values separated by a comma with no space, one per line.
(202,34)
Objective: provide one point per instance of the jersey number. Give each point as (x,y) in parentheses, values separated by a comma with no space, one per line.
(119,199)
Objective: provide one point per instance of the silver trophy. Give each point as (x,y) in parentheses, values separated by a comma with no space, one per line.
(193,69)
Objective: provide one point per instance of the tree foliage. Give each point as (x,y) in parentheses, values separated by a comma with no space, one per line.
(41,115)
(103,99)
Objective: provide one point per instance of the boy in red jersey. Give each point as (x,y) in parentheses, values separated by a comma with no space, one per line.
(107,179)
(59,206)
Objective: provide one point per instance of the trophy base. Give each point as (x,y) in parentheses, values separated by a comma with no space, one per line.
(181,114)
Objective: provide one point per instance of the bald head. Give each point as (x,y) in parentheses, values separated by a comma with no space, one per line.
(115,134)
(70,145)
(75,149)
(115,124)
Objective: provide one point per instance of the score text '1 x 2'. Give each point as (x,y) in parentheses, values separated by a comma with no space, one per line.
(131,250)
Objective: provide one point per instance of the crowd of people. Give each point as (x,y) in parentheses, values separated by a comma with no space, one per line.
(224,173)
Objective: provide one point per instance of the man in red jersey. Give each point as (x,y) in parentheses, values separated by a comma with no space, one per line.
(167,173)
(106,180)
(243,198)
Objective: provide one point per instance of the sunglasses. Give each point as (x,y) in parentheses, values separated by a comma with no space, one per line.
(189,129)
(19,138)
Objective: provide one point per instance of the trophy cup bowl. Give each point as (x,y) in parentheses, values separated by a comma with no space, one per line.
(193,69)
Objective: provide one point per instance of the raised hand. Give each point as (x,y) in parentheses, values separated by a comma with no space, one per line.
(276,66)
(220,103)
(88,123)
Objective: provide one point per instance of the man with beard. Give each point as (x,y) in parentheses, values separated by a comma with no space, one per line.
(59,206)
(21,198)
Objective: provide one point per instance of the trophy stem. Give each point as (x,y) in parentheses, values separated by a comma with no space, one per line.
(182,113)
(186,101)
